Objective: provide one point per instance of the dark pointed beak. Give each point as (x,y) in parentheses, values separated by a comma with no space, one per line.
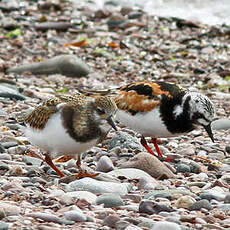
(209,131)
(112,123)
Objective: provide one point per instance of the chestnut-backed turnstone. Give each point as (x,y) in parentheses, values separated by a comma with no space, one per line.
(70,125)
(161,109)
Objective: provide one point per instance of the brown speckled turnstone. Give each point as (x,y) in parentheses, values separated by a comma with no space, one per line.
(70,125)
(161,109)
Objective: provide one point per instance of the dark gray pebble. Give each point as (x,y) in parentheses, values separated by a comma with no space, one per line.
(12,96)
(4,166)
(200,204)
(151,207)
(2,149)
(125,140)
(135,15)
(209,196)
(198,71)
(227,148)
(195,167)
(183,168)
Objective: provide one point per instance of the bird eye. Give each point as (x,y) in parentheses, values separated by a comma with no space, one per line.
(100,111)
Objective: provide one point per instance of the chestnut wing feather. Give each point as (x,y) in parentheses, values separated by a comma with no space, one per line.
(141,96)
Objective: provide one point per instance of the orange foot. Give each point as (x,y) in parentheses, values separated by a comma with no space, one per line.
(83,174)
(63,159)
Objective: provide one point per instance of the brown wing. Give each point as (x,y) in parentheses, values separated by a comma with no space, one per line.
(38,118)
(144,96)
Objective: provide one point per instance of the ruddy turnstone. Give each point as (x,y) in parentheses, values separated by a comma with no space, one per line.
(161,109)
(70,125)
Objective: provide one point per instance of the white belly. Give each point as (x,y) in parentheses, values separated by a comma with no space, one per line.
(148,124)
(55,140)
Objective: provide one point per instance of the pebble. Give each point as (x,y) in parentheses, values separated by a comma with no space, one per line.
(224,207)
(11,92)
(202,176)
(131,174)
(94,186)
(32,161)
(168,193)
(110,200)
(68,65)
(225,168)
(131,207)
(121,225)
(147,163)
(2,213)
(198,205)
(9,144)
(4,225)
(145,222)
(227,199)
(151,207)
(48,217)
(89,197)
(10,208)
(188,218)
(132,227)
(2,149)
(195,167)
(13,126)
(227,148)
(221,124)
(183,168)
(165,225)
(197,184)
(189,151)
(17,150)
(104,164)
(125,140)
(66,199)
(225,178)
(5,156)
(185,201)
(4,166)
(147,184)
(212,195)
(75,215)
(172,144)
(111,220)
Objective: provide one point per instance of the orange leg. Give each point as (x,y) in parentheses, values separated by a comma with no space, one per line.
(154,141)
(83,173)
(49,161)
(144,143)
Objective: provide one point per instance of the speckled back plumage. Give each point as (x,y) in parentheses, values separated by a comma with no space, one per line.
(38,118)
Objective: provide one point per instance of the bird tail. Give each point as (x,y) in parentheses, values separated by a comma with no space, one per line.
(103,92)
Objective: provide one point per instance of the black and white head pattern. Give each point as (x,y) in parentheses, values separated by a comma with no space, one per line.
(202,110)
